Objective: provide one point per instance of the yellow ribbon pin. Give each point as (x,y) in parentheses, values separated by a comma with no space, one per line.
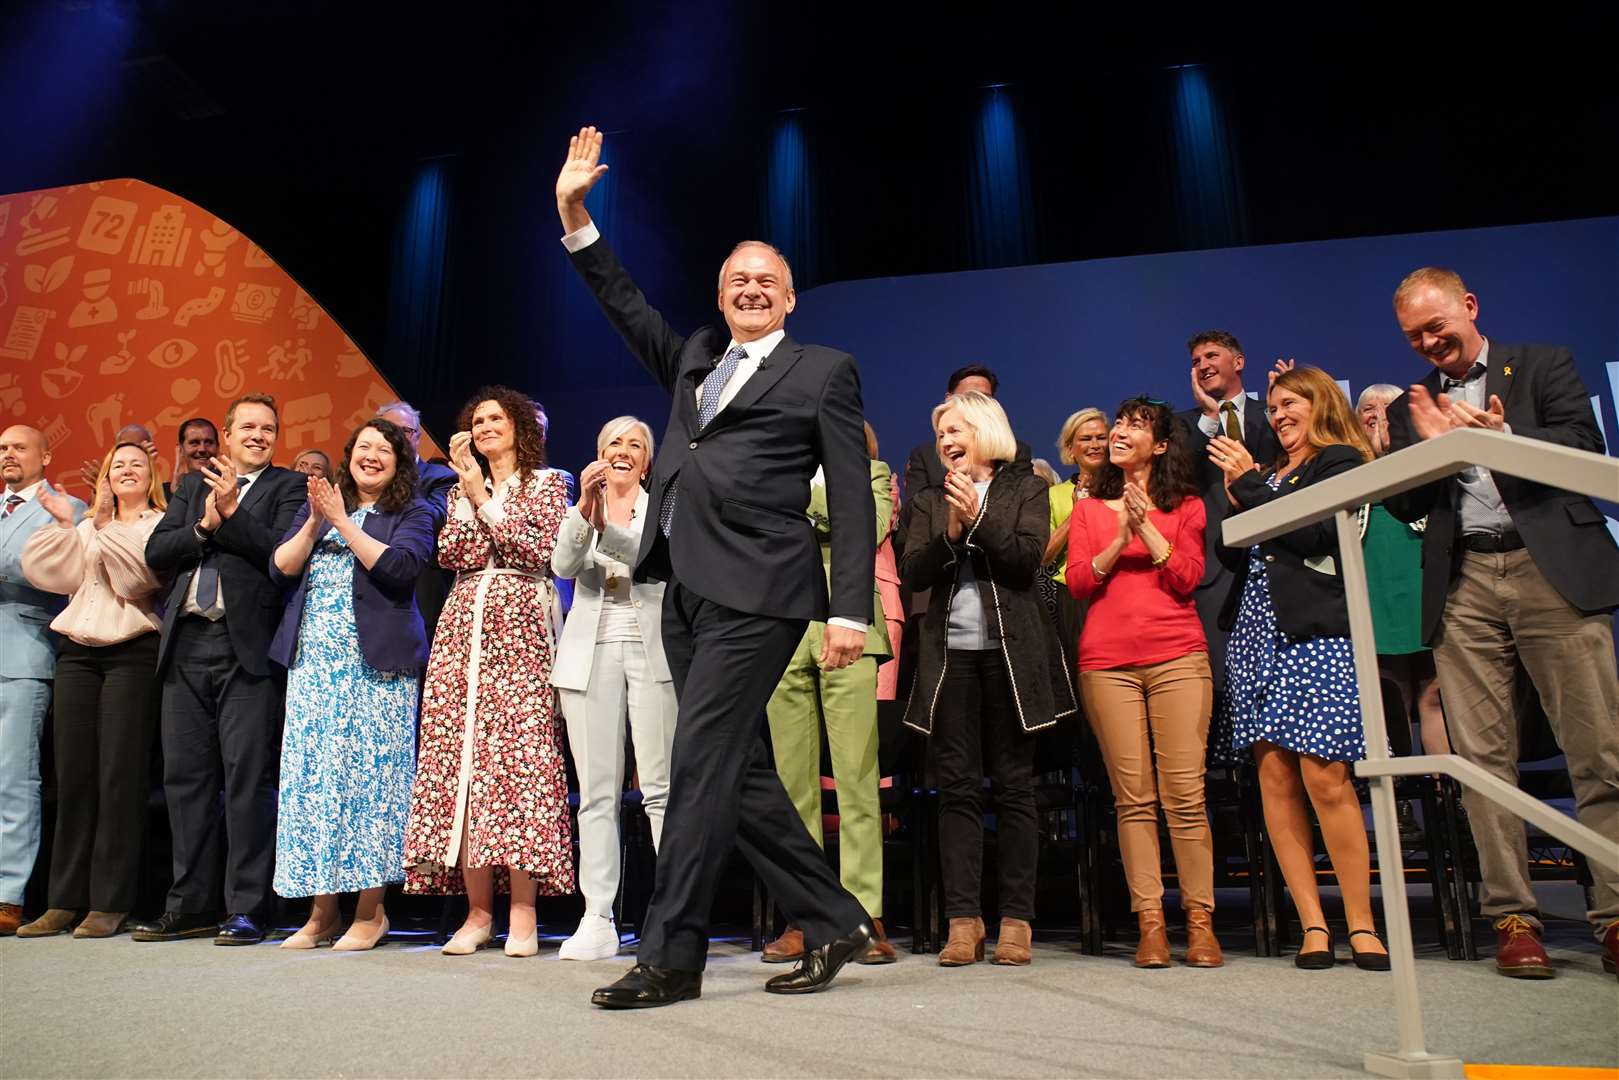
(1506,370)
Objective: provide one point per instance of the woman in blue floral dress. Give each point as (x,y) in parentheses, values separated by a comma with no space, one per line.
(1291,692)
(353,644)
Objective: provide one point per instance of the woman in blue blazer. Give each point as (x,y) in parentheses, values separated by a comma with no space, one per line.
(353,643)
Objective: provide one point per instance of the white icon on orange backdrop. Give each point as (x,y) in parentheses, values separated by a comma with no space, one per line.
(199,306)
(215,240)
(105,417)
(106,225)
(376,394)
(42,279)
(229,359)
(183,392)
(11,399)
(286,362)
(119,362)
(171,353)
(35,236)
(60,381)
(5,215)
(5,294)
(256,259)
(350,362)
(96,307)
(311,417)
(55,430)
(27,327)
(163,240)
(305,313)
(152,289)
(254,303)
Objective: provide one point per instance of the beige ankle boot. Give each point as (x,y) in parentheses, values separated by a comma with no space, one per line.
(966,943)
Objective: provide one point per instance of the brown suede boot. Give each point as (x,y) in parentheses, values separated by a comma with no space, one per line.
(1202,949)
(1153,951)
(966,943)
(101,924)
(1012,943)
(53,922)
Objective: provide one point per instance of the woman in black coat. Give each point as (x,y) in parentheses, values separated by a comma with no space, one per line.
(1291,691)
(989,671)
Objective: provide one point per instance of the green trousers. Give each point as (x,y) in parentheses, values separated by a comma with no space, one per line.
(846,702)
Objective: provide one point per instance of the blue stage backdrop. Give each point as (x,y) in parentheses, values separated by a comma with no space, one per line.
(1067,335)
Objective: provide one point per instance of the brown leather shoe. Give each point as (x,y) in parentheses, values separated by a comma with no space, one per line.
(1202,948)
(102,924)
(1012,943)
(881,951)
(1610,948)
(1153,951)
(785,949)
(965,944)
(1518,951)
(10,919)
(55,921)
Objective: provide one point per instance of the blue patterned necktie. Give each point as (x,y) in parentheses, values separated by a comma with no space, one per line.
(713,387)
(208,576)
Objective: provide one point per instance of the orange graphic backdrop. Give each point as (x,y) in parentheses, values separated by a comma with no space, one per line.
(123,303)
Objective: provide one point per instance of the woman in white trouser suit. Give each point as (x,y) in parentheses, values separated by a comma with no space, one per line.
(611,658)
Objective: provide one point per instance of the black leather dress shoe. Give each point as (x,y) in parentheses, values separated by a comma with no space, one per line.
(647,987)
(239,930)
(174,926)
(819,966)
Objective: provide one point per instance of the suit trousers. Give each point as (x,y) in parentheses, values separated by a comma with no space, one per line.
(1152,723)
(106,717)
(221,730)
(1209,599)
(723,791)
(845,702)
(976,723)
(1501,610)
(23,703)
(620,679)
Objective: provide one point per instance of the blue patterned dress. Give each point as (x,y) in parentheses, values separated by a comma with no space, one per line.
(348,754)
(1298,694)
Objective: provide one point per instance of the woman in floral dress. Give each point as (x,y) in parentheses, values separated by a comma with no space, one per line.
(353,645)
(490,805)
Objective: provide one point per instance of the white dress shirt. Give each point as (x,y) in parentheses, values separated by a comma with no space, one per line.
(217,612)
(1215,425)
(27,493)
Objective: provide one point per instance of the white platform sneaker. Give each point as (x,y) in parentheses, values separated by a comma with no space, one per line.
(596,939)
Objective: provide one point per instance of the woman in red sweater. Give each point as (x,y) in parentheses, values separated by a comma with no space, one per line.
(1135,551)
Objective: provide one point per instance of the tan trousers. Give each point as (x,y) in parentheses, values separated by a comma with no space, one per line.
(1501,611)
(1153,726)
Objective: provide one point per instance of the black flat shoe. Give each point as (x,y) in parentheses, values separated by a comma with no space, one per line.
(647,987)
(819,966)
(1368,961)
(1320,959)
(174,926)
(239,930)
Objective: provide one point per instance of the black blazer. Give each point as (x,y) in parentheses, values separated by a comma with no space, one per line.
(1567,536)
(392,637)
(1260,440)
(740,535)
(434,483)
(240,550)
(1306,581)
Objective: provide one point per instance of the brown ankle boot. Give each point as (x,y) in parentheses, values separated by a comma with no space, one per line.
(1012,943)
(1153,951)
(966,943)
(1202,949)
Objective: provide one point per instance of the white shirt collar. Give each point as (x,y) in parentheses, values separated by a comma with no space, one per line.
(763,347)
(28,492)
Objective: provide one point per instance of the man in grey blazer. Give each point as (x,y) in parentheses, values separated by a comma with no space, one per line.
(27,664)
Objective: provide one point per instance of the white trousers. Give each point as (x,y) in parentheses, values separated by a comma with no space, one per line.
(620,680)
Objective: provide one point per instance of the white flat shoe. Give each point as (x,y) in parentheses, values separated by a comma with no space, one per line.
(301,940)
(527,946)
(596,939)
(361,939)
(468,940)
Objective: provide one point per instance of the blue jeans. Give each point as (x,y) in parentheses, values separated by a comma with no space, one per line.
(22,714)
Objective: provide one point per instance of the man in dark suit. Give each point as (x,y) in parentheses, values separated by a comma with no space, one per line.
(1513,574)
(1223,408)
(433,484)
(222,707)
(754,414)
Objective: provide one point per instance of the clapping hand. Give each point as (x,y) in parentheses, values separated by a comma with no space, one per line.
(467,468)
(222,480)
(55,504)
(593,493)
(1136,505)
(1377,428)
(325,498)
(579,174)
(962,497)
(1282,368)
(1230,457)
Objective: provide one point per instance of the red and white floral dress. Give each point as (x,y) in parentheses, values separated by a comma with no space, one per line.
(489,760)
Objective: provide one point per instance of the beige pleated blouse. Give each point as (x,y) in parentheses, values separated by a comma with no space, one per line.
(104,571)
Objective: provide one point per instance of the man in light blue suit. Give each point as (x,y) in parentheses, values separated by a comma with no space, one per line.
(27,664)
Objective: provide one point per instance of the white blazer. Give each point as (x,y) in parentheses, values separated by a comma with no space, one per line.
(581,555)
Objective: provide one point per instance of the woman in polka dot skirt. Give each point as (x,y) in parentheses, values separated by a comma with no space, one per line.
(1290,670)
